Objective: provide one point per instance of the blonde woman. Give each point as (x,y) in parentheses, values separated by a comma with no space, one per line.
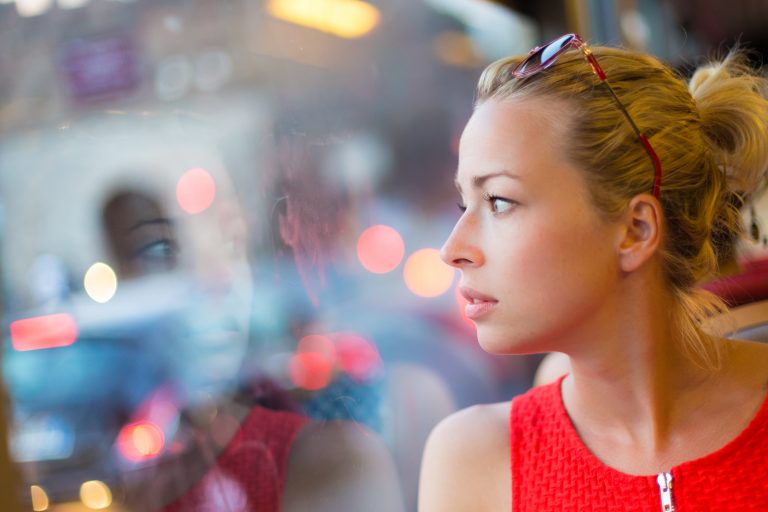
(596,186)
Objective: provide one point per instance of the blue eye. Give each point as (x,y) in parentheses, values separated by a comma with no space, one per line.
(499,204)
(159,250)
(158,255)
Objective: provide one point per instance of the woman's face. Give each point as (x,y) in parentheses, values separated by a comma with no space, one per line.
(536,259)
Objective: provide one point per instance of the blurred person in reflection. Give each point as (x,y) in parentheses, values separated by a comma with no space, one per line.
(595,184)
(245,448)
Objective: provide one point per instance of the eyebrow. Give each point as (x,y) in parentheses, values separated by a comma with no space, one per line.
(478,181)
(160,221)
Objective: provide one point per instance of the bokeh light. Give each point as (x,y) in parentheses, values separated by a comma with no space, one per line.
(95,495)
(343,18)
(358,357)
(310,370)
(27,8)
(140,440)
(380,249)
(49,331)
(318,344)
(39,498)
(195,191)
(100,282)
(426,275)
(455,49)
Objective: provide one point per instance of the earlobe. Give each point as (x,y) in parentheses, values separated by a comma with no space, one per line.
(641,233)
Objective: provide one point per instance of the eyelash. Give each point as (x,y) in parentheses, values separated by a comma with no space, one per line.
(490,198)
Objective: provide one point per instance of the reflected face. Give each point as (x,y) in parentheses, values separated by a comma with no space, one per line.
(211,318)
(142,239)
(537,261)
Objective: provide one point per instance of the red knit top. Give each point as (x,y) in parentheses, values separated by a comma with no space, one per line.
(552,469)
(249,475)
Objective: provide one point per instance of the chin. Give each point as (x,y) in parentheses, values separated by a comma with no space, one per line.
(506,343)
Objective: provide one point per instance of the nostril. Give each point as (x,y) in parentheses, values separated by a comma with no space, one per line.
(459,262)
(457,255)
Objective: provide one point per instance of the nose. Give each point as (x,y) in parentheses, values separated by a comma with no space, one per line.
(461,250)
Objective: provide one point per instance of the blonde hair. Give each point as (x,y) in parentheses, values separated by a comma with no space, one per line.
(711,136)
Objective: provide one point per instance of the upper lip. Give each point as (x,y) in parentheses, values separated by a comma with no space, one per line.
(475,296)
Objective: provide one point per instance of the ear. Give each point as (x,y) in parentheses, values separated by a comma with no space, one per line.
(641,232)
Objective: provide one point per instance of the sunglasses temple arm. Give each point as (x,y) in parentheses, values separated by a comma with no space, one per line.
(643,139)
(656,166)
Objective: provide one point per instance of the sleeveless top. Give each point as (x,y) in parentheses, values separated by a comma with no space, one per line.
(553,470)
(249,474)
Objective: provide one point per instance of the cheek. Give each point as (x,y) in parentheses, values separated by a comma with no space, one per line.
(535,252)
(558,268)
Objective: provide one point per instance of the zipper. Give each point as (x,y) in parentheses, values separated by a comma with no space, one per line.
(665,488)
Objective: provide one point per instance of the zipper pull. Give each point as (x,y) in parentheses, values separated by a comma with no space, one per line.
(665,488)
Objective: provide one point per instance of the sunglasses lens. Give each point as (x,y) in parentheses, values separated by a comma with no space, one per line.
(553,48)
(544,56)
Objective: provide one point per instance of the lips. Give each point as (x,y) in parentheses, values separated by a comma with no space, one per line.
(478,304)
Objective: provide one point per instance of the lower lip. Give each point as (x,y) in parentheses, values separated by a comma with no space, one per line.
(479,309)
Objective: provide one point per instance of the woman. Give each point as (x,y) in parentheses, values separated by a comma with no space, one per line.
(595,188)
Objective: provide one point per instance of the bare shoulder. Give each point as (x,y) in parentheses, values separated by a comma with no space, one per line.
(340,465)
(466,462)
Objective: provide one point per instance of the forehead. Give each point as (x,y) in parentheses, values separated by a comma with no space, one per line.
(516,136)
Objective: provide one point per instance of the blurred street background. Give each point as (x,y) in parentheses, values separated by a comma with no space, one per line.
(200,196)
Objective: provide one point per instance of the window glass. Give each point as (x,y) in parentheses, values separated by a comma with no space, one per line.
(219,234)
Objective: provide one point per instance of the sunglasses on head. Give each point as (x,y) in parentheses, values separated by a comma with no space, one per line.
(545,56)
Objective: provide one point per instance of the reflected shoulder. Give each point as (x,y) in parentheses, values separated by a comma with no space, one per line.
(466,462)
(340,465)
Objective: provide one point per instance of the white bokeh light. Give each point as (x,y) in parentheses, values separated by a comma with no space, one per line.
(100,282)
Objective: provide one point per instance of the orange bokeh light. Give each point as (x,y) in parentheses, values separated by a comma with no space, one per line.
(380,249)
(317,344)
(195,191)
(40,332)
(426,275)
(343,18)
(140,441)
(310,370)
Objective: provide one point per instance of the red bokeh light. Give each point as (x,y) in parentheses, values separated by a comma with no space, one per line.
(195,191)
(40,332)
(357,356)
(141,440)
(380,249)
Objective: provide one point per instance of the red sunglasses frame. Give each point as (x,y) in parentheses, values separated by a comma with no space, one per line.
(529,67)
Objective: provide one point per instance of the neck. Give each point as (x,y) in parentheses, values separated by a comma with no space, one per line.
(635,383)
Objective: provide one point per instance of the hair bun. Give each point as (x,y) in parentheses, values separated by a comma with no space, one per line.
(731,100)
